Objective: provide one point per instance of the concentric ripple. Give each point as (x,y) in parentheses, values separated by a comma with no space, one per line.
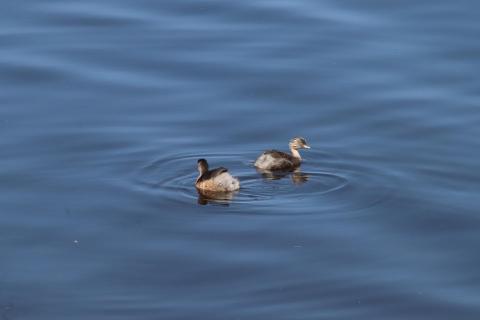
(323,185)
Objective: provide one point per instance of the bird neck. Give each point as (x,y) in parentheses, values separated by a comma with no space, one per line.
(201,172)
(295,153)
(199,177)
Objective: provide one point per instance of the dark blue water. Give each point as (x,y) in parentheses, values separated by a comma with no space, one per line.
(105,106)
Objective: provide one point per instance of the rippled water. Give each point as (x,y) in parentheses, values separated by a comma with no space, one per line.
(106,106)
(322,186)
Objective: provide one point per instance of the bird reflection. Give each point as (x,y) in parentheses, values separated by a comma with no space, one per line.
(298,177)
(214,197)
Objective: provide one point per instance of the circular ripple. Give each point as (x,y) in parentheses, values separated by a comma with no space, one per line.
(324,185)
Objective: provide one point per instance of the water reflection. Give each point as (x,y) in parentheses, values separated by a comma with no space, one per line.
(214,197)
(298,177)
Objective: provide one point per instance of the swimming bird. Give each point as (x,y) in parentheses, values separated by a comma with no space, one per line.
(218,180)
(276,160)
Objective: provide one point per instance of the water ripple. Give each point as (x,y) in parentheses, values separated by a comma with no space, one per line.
(323,186)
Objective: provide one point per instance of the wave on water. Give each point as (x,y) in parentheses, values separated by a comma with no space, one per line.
(323,185)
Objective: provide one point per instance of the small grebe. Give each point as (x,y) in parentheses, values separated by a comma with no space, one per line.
(218,180)
(277,160)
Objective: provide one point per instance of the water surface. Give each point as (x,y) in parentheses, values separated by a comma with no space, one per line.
(106,105)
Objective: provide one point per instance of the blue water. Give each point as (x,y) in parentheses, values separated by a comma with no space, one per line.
(105,106)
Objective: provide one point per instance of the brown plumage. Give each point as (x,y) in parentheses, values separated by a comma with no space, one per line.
(282,160)
(278,160)
(209,175)
(215,180)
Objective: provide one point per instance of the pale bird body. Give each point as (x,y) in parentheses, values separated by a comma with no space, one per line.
(274,160)
(218,180)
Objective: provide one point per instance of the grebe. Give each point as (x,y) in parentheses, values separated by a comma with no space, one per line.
(276,160)
(218,179)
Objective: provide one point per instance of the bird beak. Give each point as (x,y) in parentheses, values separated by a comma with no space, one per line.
(306,147)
